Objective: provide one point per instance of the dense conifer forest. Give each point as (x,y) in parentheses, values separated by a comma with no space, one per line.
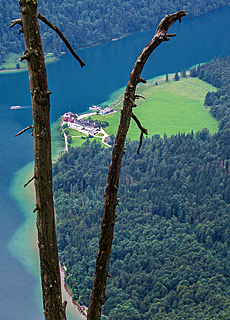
(170,256)
(88,22)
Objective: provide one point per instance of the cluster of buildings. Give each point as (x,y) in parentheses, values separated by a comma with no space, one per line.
(102,111)
(69,117)
(87,126)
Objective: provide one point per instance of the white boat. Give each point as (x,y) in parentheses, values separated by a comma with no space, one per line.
(15,107)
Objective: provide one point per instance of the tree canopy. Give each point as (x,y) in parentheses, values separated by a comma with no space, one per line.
(89,22)
(170,251)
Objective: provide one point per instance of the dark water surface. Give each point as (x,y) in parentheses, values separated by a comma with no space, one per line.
(107,69)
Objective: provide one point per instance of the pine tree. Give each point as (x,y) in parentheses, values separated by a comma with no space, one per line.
(193,72)
(184,73)
(176,77)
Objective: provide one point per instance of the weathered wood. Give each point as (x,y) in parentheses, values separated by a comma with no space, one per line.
(40,96)
(24,130)
(58,31)
(109,215)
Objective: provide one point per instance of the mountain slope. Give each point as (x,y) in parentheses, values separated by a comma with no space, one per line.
(170,256)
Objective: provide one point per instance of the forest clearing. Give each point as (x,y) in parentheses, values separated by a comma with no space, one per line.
(169,107)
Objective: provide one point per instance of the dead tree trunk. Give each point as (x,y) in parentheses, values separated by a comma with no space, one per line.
(111,201)
(40,96)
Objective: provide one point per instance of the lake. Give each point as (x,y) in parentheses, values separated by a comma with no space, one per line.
(74,89)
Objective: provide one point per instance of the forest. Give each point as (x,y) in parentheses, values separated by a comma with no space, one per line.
(170,257)
(88,22)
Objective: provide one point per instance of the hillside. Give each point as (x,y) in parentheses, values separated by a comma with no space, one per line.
(86,23)
(170,256)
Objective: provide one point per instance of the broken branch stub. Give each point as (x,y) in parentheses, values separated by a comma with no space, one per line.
(24,130)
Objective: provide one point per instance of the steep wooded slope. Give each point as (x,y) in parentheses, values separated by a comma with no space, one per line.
(170,256)
(88,22)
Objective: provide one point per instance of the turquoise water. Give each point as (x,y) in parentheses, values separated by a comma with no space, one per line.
(107,69)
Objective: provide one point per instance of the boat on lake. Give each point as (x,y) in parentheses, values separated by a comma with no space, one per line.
(15,107)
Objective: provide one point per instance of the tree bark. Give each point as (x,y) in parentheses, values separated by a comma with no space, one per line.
(109,215)
(40,96)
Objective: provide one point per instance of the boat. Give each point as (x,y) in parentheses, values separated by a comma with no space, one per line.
(15,107)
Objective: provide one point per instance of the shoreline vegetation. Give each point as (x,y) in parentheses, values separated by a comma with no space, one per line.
(67,295)
(104,27)
(17,191)
(13,64)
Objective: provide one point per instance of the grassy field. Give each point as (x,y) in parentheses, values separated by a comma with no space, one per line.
(77,142)
(78,138)
(73,132)
(170,107)
(12,60)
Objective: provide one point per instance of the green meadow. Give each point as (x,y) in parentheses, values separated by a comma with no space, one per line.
(78,138)
(12,59)
(77,142)
(73,132)
(169,107)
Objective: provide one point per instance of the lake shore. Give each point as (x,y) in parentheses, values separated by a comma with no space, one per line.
(23,244)
(22,69)
(66,295)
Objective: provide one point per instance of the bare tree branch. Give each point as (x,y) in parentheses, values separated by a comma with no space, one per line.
(109,215)
(36,209)
(40,98)
(58,31)
(140,143)
(26,184)
(137,96)
(171,35)
(140,79)
(143,129)
(17,21)
(27,55)
(14,22)
(24,130)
